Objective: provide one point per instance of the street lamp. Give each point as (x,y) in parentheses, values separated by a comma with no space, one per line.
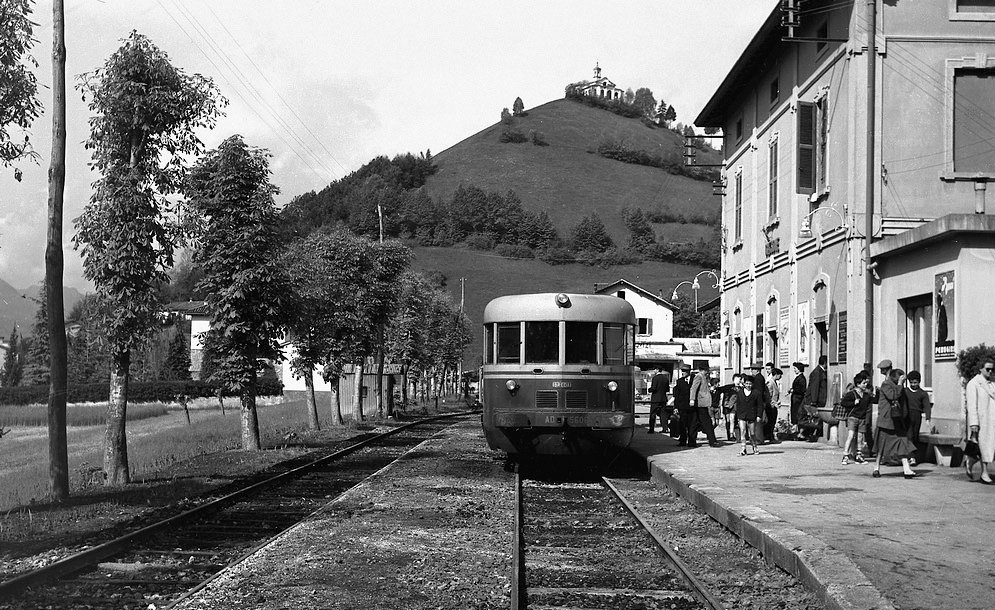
(806,228)
(696,286)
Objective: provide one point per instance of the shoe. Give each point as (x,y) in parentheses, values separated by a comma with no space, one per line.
(912,462)
(969,468)
(845,461)
(743,452)
(714,444)
(755,450)
(694,446)
(909,476)
(876,474)
(987,481)
(649,432)
(860,459)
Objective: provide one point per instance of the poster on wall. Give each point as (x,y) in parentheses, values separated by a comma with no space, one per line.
(760,338)
(943,308)
(784,333)
(803,331)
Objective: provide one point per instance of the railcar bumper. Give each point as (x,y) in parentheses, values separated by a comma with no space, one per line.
(596,421)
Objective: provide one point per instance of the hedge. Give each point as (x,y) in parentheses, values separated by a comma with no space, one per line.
(138,391)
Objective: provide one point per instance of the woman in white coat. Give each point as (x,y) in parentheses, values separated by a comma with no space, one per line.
(981,415)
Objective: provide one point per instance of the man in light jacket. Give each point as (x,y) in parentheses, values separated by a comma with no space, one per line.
(701,400)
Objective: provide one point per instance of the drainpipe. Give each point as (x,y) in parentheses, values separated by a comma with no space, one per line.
(979,197)
(869,211)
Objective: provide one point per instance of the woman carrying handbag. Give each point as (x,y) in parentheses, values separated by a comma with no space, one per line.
(889,438)
(981,419)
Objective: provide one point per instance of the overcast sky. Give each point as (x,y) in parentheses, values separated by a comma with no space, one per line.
(328,85)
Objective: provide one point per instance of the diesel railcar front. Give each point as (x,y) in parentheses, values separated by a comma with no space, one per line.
(558,375)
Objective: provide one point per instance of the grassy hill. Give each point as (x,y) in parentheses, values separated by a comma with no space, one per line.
(568,179)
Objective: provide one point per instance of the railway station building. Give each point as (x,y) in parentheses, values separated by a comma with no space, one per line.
(855,218)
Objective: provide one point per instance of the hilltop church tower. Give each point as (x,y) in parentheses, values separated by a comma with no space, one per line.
(600,86)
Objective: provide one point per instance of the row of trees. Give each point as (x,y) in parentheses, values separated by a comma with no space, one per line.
(640,103)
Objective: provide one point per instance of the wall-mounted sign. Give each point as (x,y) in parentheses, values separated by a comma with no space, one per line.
(784,336)
(760,338)
(803,332)
(841,337)
(943,313)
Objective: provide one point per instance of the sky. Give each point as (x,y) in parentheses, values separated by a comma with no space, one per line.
(326,86)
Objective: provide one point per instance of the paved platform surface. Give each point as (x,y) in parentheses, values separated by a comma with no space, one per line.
(862,542)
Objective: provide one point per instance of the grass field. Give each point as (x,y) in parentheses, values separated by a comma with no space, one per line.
(76,415)
(154,443)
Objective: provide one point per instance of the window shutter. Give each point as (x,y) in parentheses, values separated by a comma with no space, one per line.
(806,147)
(649,326)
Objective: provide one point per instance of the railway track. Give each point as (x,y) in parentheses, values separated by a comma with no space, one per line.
(583,545)
(157,565)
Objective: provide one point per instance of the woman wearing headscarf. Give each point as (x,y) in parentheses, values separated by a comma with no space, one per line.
(981,416)
(890,439)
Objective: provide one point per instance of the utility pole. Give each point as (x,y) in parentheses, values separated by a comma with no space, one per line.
(869,177)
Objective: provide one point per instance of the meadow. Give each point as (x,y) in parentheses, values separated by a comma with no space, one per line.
(158,437)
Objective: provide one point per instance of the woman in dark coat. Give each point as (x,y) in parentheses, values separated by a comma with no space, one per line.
(749,410)
(890,438)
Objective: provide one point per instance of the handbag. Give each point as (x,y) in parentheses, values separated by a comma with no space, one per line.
(971,449)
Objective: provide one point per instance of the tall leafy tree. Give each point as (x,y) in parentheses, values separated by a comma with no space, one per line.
(590,235)
(518,108)
(245,286)
(644,101)
(146,114)
(19,105)
(641,234)
(177,365)
(88,351)
(13,368)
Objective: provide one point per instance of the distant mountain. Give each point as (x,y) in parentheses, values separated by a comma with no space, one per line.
(17,309)
(569,179)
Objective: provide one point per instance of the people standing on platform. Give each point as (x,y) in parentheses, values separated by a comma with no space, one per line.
(682,402)
(856,402)
(749,412)
(728,403)
(889,437)
(701,401)
(774,389)
(917,400)
(885,368)
(981,415)
(816,395)
(659,388)
(760,387)
(798,387)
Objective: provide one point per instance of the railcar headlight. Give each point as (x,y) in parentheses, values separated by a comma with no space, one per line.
(511,384)
(562,300)
(612,386)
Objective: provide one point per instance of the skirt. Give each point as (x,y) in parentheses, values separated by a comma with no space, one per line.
(892,445)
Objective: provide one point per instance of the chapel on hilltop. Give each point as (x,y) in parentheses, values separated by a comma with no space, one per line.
(600,86)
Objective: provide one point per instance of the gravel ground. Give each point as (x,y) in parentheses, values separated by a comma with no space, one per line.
(431,531)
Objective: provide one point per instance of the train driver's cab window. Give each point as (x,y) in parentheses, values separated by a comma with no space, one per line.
(582,343)
(542,342)
(618,344)
(508,341)
(488,344)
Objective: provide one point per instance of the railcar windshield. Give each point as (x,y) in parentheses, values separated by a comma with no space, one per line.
(582,343)
(508,341)
(542,342)
(618,344)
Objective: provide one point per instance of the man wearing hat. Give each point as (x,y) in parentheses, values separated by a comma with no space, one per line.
(701,401)
(816,394)
(885,367)
(760,385)
(797,391)
(682,402)
(659,388)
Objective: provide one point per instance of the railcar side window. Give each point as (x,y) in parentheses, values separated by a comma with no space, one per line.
(508,341)
(617,344)
(488,344)
(542,342)
(582,343)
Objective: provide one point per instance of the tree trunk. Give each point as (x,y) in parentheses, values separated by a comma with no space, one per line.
(115,438)
(250,420)
(404,386)
(221,402)
(312,407)
(58,458)
(357,397)
(336,400)
(379,382)
(390,396)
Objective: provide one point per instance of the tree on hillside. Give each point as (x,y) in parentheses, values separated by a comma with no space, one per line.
(13,368)
(590,235)
(505,116)
(629,96)
(644,101)
(670,115)
(518,108)
(19,106)
(36,369)
(146,115)
(245,286)
(177,365)
(537,231)
(641,234)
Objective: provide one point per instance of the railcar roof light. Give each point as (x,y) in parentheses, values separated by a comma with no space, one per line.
(562,300)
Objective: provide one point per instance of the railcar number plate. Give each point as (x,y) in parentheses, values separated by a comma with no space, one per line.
(562,384)
(574,420)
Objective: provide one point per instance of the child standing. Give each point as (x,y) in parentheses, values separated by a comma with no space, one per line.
(749,410)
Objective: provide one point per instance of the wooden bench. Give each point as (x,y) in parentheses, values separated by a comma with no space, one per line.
(944,447)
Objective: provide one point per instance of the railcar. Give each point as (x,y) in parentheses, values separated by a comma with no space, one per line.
(558,375)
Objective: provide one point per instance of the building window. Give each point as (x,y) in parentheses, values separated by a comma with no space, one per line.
(822,32)
(919,336)
(620,294)
(775,91)
(772,180)
(645,326)
(739,130)
(813,135)
(973,7)
(738,224)
(821,139)
(974,130)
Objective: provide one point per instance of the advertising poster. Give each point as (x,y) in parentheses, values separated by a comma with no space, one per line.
(803,331)
(783,336)
(760,338)
(943,313)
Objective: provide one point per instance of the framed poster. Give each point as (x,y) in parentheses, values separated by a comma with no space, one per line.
(784,335)
(841,331)
(803,332)
(760,338)
(943,309)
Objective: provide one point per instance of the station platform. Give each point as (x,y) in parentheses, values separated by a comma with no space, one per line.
(858,541)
